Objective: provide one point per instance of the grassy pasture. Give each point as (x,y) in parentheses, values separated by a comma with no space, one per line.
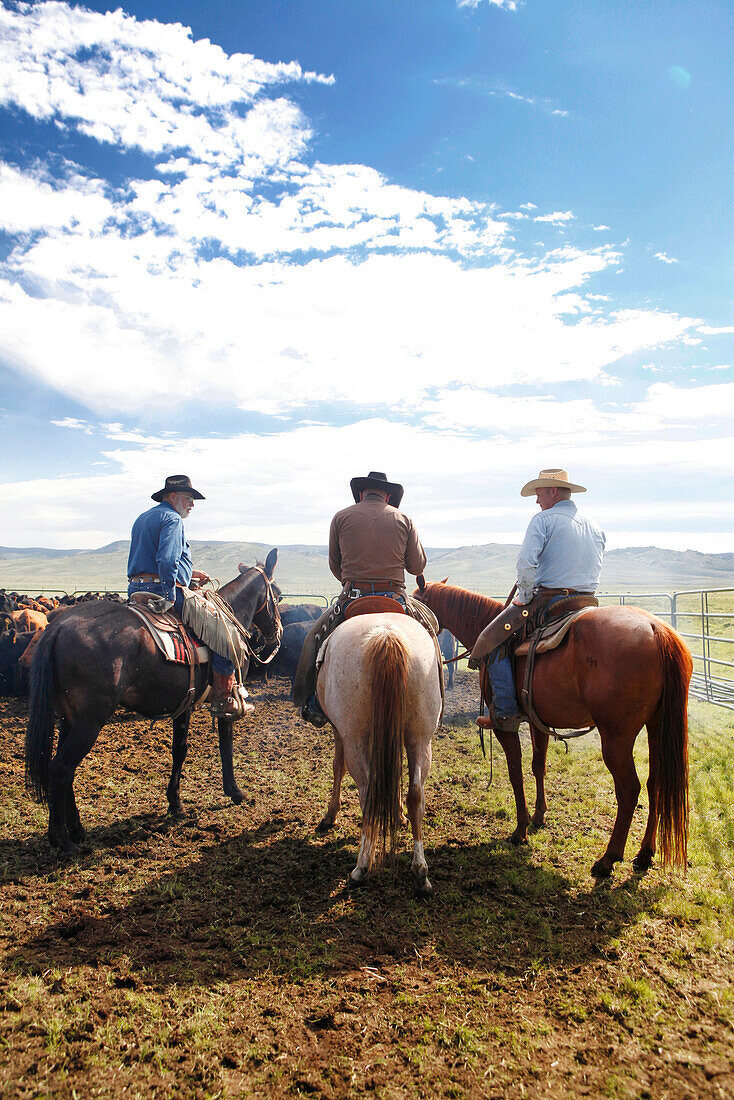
(222,955)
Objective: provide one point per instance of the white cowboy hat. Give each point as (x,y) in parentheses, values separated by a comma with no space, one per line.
(549,479)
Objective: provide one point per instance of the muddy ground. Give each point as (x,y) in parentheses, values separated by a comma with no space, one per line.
(222,954)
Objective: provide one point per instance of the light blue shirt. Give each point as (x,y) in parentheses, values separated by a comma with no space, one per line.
(561,550)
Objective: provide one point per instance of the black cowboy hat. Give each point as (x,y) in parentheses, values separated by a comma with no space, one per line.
(177,483)
(377,480)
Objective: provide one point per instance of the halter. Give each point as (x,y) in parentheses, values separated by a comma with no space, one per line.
(272,605)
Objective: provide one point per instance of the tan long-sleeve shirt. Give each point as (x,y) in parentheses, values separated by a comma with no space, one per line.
(372,542)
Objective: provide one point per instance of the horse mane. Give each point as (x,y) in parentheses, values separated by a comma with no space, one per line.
(471,609)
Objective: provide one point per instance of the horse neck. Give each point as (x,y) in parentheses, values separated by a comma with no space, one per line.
(462,612)
(243,595)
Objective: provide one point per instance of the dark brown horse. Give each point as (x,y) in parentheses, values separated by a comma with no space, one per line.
(98,656)
(619,669)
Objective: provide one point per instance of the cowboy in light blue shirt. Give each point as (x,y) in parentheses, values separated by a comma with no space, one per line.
(561,549)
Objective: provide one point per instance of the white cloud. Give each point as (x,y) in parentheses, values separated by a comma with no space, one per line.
(506,5)
(143,84)
(665,259)
(559,217)
(74,423)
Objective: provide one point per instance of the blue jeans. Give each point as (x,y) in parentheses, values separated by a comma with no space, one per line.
(220,664)
(503,688)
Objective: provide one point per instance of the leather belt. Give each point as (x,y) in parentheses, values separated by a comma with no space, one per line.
(151,578)
(562,592)
(376,589)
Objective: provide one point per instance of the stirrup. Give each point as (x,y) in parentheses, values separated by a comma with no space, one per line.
(312,712)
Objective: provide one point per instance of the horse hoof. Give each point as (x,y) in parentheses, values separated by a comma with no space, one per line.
(63,845)
(78,834)
(357,877)
(422,883)
(517,839)
(324,825)
(236,795)
(642,861)
(601,870)
(175,809)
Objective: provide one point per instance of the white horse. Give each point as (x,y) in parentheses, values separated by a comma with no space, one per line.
(379,686)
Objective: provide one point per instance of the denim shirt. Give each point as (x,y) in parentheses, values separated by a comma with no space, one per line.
(158,545)
(561,550)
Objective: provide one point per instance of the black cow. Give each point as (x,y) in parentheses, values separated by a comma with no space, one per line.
(300,612)
(13,677)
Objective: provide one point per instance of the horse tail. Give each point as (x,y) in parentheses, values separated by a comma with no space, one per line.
(39,735)
(671,769)
(386,656)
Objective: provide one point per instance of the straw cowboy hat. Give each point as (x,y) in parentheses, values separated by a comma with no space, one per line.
(551,479)
(377,480)
(177,483)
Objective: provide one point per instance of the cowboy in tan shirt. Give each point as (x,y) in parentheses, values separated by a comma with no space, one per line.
(371,544)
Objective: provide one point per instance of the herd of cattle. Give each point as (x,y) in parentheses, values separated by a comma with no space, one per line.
(22,618)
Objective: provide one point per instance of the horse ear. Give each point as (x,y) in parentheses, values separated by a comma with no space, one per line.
(421,581)
(242,567)
(444,580)
(270,563)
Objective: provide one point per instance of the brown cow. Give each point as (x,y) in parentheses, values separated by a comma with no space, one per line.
(29,620)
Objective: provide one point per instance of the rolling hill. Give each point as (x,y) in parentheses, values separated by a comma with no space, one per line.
(304,569)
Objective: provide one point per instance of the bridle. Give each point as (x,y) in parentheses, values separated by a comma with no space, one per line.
(271,604)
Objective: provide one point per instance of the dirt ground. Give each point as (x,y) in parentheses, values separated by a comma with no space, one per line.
(222,954)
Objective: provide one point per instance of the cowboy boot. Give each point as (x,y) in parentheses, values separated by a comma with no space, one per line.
(511,724)
(227,700)
(312,712)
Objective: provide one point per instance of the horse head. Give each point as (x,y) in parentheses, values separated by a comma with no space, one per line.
(266,616)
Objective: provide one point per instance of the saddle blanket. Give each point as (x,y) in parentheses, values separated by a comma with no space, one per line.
(166,631)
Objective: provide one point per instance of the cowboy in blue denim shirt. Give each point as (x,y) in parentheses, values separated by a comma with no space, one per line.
(160,562)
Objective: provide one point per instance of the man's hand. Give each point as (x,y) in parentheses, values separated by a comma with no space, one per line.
(159,604)
(200,577)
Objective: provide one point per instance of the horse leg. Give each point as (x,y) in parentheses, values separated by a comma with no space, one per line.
(226,728)
(510,743)
(73,821)
(77,741)
(179,748)
(329,818)
(358,772)
(540,754)
(419,765)
(616,749)
(644,857)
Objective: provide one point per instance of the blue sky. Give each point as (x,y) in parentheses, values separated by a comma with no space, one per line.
(275,245)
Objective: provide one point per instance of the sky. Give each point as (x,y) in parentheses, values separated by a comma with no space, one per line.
(276,244)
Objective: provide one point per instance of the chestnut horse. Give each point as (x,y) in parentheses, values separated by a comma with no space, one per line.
(380,688)
(618,669)
(97,656)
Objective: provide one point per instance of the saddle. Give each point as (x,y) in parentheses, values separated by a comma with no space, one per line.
(373,605)
(175,641)
(543,640)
